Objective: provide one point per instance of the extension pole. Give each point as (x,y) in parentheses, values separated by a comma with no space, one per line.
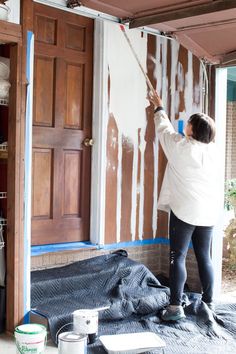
(138,61)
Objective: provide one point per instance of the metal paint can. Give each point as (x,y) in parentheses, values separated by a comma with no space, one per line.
(72,343)
(86,322)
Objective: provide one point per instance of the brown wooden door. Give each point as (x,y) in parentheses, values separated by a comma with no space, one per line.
(61,121)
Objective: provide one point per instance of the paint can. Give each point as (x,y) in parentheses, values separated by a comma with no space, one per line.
(86,322)
(30,338)
(72,343)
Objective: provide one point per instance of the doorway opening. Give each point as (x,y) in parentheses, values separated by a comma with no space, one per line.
(229,251)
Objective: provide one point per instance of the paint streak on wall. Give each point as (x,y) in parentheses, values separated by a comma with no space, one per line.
(136,163)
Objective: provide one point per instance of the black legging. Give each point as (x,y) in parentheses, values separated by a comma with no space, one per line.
(181,234)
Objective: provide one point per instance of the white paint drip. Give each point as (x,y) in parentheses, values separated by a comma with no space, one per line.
(174,67)
(155,187)
(158,76)
(158,69)
(165,84)
(142,148)
(181,78)
(201,87)
(188,92)
(119,183)
(134,193)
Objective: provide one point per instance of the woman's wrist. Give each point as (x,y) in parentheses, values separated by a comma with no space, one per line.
(157,109)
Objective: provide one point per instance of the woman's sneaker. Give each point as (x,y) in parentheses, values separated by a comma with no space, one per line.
(174,313)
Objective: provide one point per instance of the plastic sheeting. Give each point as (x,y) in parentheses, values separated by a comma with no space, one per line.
(135,298)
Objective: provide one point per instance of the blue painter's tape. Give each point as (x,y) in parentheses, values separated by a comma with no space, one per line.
(155,241)
(28,54)
(181,126)
(38,250)
(70,246)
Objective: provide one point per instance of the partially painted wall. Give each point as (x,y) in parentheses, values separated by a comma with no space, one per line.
(135,161)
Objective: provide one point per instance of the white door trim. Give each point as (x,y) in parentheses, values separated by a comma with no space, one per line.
(99,128)
(220,120)
(28,174)
(99,119)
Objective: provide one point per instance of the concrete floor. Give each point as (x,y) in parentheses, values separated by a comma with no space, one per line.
(7,346)
(7,343)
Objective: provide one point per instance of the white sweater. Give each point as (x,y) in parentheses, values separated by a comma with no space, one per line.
(190,187)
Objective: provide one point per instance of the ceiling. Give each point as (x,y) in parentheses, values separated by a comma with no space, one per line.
(206,27)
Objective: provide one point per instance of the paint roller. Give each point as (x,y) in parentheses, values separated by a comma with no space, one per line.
(138,61)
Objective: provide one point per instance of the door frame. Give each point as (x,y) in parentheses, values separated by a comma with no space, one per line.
(99,132)
(22,275)
(11,33)
(220,120)
(99,117)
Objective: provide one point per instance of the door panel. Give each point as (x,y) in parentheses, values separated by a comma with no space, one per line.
(72,183)
(75,37)
(43,93)
(42,177)
(45,29)
(74,96)
(62,120)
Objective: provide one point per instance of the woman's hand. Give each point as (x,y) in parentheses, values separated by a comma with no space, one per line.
(155,99)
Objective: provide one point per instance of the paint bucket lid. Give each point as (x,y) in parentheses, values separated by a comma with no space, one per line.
(72,337)
(31,328)
(86,312)
(132,343)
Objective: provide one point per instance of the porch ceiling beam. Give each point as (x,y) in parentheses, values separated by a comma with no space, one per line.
(228,58)
(191,11)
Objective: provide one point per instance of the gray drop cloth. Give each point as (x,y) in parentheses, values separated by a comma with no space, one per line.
(136,299)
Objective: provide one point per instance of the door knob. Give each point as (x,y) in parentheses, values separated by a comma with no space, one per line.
(88,142)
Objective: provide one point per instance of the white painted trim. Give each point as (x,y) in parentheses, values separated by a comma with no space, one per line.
(28,174)
(80,10)
(220,119)
(100,117)
(87,12)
